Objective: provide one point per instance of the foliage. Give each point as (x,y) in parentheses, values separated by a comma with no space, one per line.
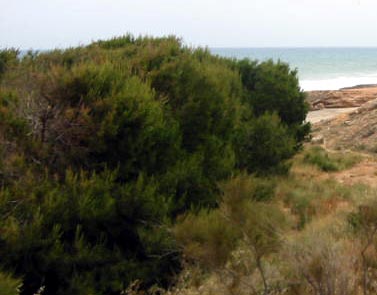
(308,199)
(322,263)
(250,188)
(258,222)
(274,88)
(241,224)
(207,239)
(8,57)
(103,147)
(364,223)
(9,285)
(330,161)
(265,145)
(87,230)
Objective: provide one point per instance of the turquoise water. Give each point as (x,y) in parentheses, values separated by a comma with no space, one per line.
(318,68)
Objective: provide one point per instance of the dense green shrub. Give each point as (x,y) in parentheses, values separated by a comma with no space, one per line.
(146,128)
(8,57)
(12,126)
(265,145)
(273,87)
(13,138)
(88,230)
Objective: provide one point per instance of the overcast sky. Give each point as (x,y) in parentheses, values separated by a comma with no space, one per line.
(46,24)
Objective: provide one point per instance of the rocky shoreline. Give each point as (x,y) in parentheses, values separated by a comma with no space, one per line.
(345,118)
(349,97)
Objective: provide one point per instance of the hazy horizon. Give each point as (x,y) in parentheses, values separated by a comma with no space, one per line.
(41,24)
(203,46)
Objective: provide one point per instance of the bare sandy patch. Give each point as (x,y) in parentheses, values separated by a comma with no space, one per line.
(365,173)
(327,114)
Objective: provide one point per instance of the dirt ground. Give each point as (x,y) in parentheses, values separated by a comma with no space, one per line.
(328,123)
(365,172)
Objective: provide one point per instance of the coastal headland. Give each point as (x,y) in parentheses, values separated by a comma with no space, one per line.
(345,118)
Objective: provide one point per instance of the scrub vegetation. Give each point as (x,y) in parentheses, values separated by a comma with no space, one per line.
(143,166)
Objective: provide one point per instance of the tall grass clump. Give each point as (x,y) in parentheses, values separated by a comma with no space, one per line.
(330,161)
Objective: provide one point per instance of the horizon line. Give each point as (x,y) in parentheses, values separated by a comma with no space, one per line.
(225,47)
(298,47)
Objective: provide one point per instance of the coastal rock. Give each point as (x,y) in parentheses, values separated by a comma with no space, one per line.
(318,140)
(355,130)
(368,106)
(343,98)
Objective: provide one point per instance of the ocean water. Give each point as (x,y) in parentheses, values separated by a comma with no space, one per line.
(318,68)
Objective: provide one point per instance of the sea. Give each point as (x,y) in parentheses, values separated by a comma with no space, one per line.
(318,68)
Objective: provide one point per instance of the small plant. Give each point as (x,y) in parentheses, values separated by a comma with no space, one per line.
(249,187)
(308,199)
(240,227)
(301,204)
(321,264)
(364,223)
(330,162)
(9,285)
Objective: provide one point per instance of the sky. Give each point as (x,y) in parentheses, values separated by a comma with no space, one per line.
(48,24)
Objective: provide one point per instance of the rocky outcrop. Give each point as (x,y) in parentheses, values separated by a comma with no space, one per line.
(343,98)
(356,130)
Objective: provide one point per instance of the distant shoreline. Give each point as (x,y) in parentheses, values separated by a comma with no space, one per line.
(355,87)
(361,86)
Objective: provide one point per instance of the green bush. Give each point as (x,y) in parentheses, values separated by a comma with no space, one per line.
(251,188)
(265,145)
(147,128)
(329,162)
(206,238)
(273,87)
(8,57)
(89,231)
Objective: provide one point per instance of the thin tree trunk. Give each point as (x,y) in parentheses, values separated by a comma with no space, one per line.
(261,271)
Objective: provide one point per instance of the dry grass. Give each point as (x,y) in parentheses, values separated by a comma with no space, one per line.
(319,254)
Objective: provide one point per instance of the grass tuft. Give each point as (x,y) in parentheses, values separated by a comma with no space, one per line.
(330,161)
